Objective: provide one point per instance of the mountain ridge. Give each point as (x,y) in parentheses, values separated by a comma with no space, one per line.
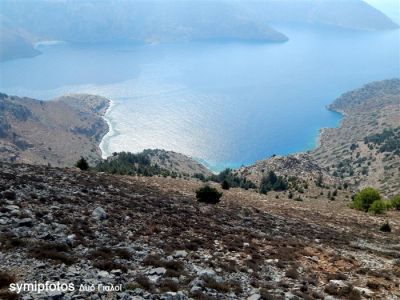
(156,21)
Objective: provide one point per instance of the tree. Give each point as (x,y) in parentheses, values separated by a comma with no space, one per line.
(225,185)
(272,182)
(395,202)
(82,164)
(208,194)
(364,199)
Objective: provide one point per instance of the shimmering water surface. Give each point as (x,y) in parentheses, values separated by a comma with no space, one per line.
(225,103)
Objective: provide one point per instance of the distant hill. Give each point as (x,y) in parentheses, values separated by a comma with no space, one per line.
(60,131)
(365,149)
(51,132)
(152,162)
(14,42)
(154,21)
(142,21)
(350,14)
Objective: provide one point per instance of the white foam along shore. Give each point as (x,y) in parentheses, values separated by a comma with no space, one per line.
(48,43)
(110,132)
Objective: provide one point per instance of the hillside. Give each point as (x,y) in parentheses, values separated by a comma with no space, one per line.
(54,132)
(177,162)
(153,238)
(14,42)
(153,162)
(154,21)
(140,21)
(348,14)
(364,150)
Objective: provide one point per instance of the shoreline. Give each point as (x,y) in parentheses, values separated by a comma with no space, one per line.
(110,131)
(318,140)
(323,130)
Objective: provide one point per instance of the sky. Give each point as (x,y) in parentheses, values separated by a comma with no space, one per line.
(389,7)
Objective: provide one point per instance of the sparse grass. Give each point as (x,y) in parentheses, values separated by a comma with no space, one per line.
(9,241)
(103,258)
(144,282)
(131,286)
(53,251)
(174,268)
(6,279)
(109,253)
(198,295)
(265,295)
(211,283)
(169,285)
(108,265)
(5,295)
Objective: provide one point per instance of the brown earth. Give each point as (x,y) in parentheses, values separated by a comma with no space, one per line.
(166,244)
(54,132)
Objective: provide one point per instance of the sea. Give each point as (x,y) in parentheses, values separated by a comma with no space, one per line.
(224,103)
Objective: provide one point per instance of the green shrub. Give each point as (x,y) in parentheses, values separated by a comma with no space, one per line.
(272,182)
(364,199)
(82,164)
(395,202)
(385,227)
(377,207)
(208,194)
(232,179)
(126,163)
(225,185)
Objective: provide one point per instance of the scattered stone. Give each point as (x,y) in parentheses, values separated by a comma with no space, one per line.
(99,213)
(365,292)
(12,207)
(180,254)
(206,272)
(104,274)
(254,297)
(158,271)
(27,222)
(55,295)
(338,287)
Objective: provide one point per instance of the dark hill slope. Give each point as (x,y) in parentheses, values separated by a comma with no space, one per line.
(54,132)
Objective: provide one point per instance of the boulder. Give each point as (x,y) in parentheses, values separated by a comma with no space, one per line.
(180,254)
(25,222)
(99,213)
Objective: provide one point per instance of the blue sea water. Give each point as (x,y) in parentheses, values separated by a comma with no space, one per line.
(226,104)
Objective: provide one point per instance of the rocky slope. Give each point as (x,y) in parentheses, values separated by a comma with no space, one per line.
(363,151)
(177,162)
(345,151)
(54,132)
(151,237)
(300,166)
